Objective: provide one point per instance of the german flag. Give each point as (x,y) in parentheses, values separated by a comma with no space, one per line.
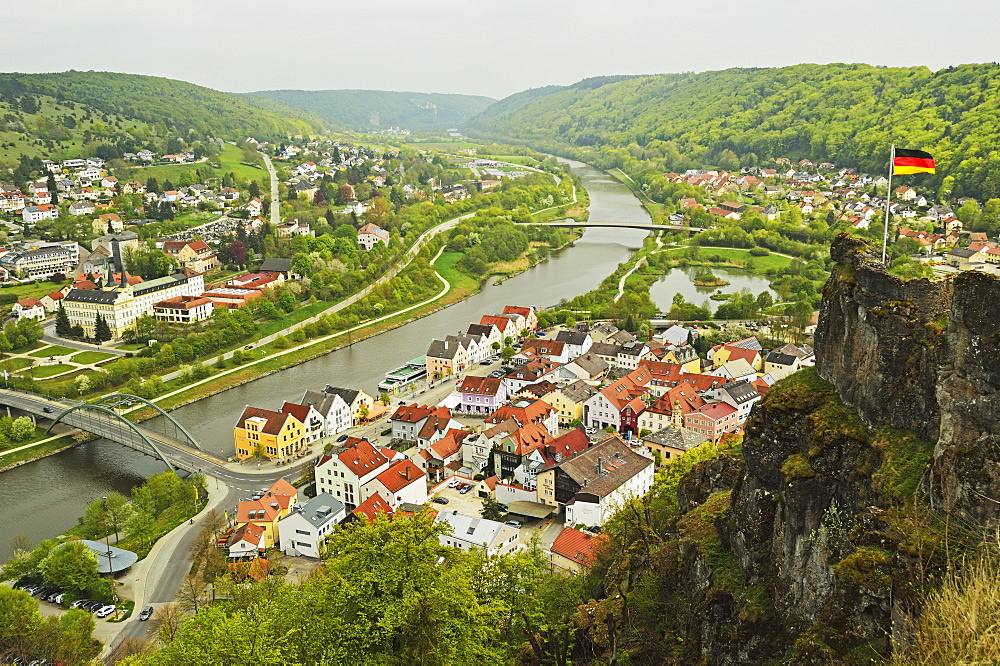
(912,161)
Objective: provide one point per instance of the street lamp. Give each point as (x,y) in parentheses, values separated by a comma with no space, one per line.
(107,542)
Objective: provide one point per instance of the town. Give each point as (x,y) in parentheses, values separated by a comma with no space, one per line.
(537,431)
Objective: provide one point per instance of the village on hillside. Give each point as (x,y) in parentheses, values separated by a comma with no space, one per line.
(545,431)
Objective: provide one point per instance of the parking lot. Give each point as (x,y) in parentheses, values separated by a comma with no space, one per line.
(470,504)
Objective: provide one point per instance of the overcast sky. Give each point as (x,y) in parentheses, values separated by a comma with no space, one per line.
(493,48)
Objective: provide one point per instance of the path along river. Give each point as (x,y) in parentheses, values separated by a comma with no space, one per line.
(45,497)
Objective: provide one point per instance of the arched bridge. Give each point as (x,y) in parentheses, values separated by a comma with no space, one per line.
(618,225)
(171,443)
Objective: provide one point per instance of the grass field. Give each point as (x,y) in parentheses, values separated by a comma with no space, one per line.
(229,160)
(443,145)
(513,159)
(18,363)
(54,350)
(771,262)
(445,265)
(51,370)
(37,289)
(8,459)
(91,357)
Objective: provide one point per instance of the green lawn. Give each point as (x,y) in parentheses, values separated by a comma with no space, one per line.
(229,160)
(36,436)
(38,289)
(54,350)
(445,265)
(771,262)
(91,357)
(513,159)
(131,346)
(51,370)
(444,145)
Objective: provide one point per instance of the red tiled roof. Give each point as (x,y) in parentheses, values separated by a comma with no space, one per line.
(450,444)
(578,546)
(401,474)
(477,385)
(716,410)
(362,457)
(565,446)
(522,410)
(301,412)
(499,322)
(371,507)
(275,420)
(30,302)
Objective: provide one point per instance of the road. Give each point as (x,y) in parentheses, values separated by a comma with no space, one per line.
(51,338)
(275,202)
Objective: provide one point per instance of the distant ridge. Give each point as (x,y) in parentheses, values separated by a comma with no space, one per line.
(366,110)
(847,114)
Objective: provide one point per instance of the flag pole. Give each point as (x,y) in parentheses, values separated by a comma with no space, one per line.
(888,198)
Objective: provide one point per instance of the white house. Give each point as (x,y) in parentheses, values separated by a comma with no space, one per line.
(740,394)
(309,416)
(402,483)
(346,469)
(303,531)
(29,308)
(370,234)
(468,532)
(332,407)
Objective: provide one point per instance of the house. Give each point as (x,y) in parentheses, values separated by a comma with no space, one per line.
(370,234)
(408,421)
(529,373)
(530,318)
(346,469)
(527,410)
(183,309)
(593,484)
(670,408)
(748,349)
(619,404)
(630,353)
(446,357)
(671,442)
(684,356)
(435,426)
(713,420)
(267,510)
(83,208)
(277,435)
(196,255)
(738,369)
(568,401)
(51,301)
(533,348)
(585,367)
(468,532)
(740,394)
(402,483)
(372,508)
(247,540)
(361,405)
(29,308)
(481,395)
(783,361)
(32,214)
(335,412)
(511,442)
(434,459)
(574,550)
(304,530)
(577,342)
(309,416)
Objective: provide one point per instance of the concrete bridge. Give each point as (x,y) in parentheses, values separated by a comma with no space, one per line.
(617,225)
(174,445)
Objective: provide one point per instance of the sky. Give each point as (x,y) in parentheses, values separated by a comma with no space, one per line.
(477,47)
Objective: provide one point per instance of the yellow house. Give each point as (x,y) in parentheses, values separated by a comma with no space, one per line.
(685,356)
(275,434)
(568,401)
(731,351)
(266,511)
(117,307)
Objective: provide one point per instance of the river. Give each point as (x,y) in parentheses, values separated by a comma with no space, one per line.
(46,496)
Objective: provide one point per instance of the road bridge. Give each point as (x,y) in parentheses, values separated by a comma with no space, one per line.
(174,445)
(618,225)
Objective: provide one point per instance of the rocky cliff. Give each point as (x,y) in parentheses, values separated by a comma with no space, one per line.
(922,355)
(812,540)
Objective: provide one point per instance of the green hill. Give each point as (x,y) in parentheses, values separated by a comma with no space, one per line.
(848,114)
(379,109)
(75,112)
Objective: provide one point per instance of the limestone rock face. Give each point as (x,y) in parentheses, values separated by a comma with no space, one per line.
(922,354)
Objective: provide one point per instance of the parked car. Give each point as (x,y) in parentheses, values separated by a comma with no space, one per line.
(514,523)
(105,611)
(146,613)
(465,489)
(94,606)
(502,506)
(440,500)
(453,483)
(485,362)
(80,603)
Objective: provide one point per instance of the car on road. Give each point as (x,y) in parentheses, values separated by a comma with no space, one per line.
(342,438)
(514,523)
(440,500)
(105,611)
(47,409)
(248,347)
(146,613)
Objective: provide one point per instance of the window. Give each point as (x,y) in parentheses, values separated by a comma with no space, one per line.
(303,532)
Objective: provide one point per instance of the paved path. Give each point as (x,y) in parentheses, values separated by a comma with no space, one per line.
(621,283)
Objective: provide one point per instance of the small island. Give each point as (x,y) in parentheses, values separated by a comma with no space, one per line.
(706,278)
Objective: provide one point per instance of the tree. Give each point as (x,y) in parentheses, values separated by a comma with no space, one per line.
(491,509)
(71,566)
(109,514)
(237,253)
(63,326)
(21,429)
(507,353)
(102,332)
(193,593)
(171,616)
